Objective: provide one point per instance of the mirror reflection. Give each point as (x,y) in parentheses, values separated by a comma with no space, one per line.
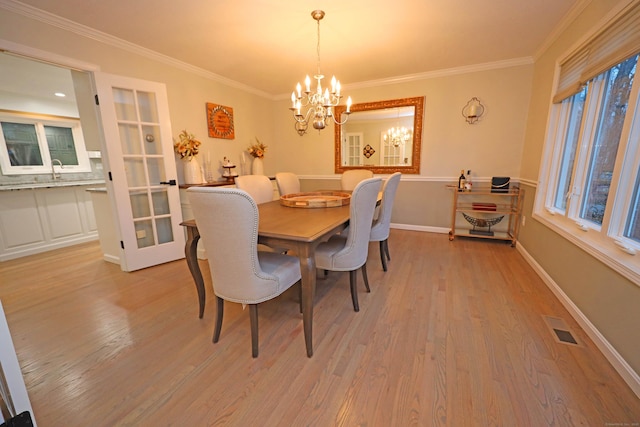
(383,136)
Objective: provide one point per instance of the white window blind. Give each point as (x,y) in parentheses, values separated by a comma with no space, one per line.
(619,40)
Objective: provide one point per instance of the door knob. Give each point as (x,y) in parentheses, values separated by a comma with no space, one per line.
(170,182)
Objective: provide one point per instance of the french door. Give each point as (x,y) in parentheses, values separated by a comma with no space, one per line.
(138,156)
(352,150)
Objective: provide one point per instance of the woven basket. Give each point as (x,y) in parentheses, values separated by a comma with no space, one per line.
(316,199)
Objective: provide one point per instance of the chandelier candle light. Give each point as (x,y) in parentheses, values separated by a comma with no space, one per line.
(319,104)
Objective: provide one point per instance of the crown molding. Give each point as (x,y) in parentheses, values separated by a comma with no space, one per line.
(99,36)
(467,69)
(515,62)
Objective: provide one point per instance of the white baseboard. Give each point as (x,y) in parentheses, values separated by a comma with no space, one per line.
(619,364)
(10,254)
(111,258)
(427,229)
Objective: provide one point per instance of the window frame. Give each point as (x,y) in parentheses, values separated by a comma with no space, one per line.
(40,121)
(606,241)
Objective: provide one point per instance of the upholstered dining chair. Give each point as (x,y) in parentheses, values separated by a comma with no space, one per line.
(260,189)
(227,220)
(348,251)
(258,186)
(288,183)
(350,178)
(380,228)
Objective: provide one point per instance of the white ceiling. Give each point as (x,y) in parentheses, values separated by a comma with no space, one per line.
(271,45)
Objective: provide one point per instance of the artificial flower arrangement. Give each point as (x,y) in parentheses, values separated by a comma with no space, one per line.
(187,146)
(258,149)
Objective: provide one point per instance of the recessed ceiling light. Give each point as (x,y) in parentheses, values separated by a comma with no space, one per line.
(60,94)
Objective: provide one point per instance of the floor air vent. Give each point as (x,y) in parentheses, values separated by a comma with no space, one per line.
(560,330)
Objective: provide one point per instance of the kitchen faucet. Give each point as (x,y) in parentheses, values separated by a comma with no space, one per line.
(53,170)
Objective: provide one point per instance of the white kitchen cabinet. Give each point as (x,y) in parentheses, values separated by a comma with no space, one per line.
(36,220)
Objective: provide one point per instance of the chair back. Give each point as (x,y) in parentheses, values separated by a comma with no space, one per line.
(350,178)
(258,186)
(227,220)
(363,204)
(288,183)
(380,229)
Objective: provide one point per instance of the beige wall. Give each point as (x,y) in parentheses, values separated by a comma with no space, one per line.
(492,147)
(607,299)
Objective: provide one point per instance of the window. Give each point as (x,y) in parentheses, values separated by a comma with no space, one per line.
(391,154)
(590,177)
(30,145)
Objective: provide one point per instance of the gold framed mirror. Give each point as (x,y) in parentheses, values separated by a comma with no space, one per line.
(383,136)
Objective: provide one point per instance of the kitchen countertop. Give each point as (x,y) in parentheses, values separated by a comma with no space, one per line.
(51,184)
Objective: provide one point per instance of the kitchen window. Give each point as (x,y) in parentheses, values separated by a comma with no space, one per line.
(40,145)
(589,188)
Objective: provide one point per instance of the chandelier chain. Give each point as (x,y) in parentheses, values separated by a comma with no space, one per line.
(318,48)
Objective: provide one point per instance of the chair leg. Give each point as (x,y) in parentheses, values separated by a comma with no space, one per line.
(386,249)
(219,314)
(364,276)
(382,257)
(253,314)
(354,292)
(300,294)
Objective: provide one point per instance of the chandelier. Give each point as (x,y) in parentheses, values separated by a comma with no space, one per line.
(319,105)
(398,136)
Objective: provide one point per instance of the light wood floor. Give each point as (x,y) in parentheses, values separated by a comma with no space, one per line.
(453,334)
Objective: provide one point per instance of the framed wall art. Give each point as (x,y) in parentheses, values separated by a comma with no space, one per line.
(220,121)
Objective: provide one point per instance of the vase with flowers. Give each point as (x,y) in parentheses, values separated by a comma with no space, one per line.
(257,151)
(187,147)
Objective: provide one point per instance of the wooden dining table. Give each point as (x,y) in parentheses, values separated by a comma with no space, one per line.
(300,230)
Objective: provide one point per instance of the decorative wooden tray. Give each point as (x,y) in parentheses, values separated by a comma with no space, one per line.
(316,199)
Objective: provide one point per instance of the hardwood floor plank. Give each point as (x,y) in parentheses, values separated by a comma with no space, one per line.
(452,335)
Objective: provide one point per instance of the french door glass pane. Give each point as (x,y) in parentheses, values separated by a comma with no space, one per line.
(147,107)
(129,139)
(144,233)
(22,144)
(124,103)
(140,204)
(61,145)
(156,171)
(165,235)
(160,201)
(605,146)
(569,150)
(134,169)
(152,141)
